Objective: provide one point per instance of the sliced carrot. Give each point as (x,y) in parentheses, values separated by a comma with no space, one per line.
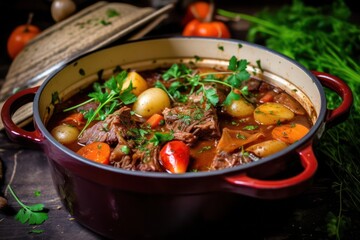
(96,151)
(155,120)
(76,119)
(289,133)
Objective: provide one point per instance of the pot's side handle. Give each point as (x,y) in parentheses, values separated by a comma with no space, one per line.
(15,133)
(340,87)
(277,189)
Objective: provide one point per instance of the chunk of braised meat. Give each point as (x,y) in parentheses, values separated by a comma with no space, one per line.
(144,158)
(121,153)
(119,159)
(290,102)
(152,76)
(194,120)
(221,92)
(147,159)
(252,84)
(190,122)
(185,137)
(112,130)
(224,160)
(87,107)
(267,87)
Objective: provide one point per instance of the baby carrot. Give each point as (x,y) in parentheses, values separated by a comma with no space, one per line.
(154,120)
(289,133)
(96,151)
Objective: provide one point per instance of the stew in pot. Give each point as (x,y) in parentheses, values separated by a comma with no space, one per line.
(180,119)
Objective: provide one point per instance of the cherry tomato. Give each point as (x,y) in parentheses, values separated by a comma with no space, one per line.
(206,29)
(198,10)
(174,156)
(20,36)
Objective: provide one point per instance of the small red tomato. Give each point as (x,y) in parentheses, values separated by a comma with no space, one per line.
(20,36)
(198,10)
(174,156)
(206,29)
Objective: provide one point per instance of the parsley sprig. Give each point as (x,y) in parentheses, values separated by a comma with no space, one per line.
(33,214)
(110,96)
(183,78)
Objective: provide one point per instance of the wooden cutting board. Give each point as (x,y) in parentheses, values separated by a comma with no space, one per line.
(91,28)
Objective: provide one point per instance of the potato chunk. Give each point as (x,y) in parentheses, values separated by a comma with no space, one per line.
(65,134)
(138,82)
(240,108)
(272,113)
(266,148)
(151,101)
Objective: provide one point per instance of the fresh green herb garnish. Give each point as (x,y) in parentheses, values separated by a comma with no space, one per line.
(37,231)
(125,149)
(197,58)
(250,127)
(205,148)
(105,23)
(109,96)
(160,138)
(33,214)
(234,123)
(240,136)
(55,98)
(258,63)
(37,193)
(112,13)
(183,78)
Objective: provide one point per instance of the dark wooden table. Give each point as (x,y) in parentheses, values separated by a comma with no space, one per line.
(301,217)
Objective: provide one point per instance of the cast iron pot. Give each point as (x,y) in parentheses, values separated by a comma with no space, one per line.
(120,203)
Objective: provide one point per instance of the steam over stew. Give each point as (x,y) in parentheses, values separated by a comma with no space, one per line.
(180,119)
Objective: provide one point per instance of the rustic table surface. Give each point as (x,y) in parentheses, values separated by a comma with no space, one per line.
(301,217)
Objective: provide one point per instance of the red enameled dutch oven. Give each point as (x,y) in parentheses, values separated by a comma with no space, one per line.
(115,202)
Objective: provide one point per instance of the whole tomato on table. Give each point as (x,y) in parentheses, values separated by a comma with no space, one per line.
(204,26)
(198,10)
(20,36)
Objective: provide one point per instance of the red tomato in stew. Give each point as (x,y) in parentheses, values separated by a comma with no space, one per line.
(206,29)
(19,37)
(175,156)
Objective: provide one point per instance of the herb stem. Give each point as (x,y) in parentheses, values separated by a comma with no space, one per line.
(79,105)
(16,198)
(89,120)
(246,17)
(217,81)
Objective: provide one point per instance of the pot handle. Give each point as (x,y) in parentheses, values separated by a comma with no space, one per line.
(15,133)
(277,189)
(337,85)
